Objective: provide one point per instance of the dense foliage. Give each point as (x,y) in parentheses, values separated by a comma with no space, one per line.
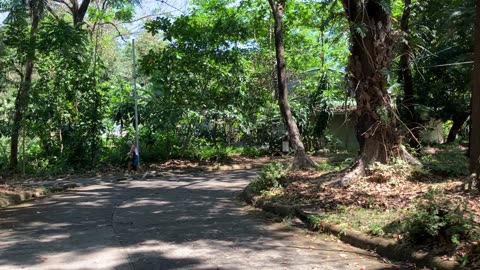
(206,78)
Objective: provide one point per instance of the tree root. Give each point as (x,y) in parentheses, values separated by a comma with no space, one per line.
(302,161)
(358,169)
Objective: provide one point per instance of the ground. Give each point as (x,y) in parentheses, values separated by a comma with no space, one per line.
(168,220)
(380,203)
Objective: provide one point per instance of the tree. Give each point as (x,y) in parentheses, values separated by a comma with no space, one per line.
(407,109)
(370,61)
(301,157)
(475,114)
(35,10)
(442,35)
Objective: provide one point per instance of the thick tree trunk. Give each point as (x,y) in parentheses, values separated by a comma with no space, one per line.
(458,121)
(405,78)
(475,113)
(301,157)
(370,60)
(22,99)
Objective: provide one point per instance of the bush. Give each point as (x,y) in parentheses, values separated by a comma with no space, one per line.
(253,152)
(269,178)
(437,218)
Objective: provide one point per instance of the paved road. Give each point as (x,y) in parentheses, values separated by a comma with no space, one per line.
(175,221)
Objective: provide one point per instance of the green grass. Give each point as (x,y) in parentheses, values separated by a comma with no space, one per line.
(371,221)
(448,160)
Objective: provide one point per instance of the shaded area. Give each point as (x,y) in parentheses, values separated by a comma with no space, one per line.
(180,221)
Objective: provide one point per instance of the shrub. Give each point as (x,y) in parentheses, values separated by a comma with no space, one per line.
(253,152)
(435,217)
(269,178)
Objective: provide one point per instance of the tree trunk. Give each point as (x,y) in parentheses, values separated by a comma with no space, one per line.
(301,157)
(475,113)
(79,11)
(370,60)
(22,99)
(405,78)
(458,121)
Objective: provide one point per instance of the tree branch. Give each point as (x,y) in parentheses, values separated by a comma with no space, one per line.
(82,10)
(65,3)
(50,9)
(116,28)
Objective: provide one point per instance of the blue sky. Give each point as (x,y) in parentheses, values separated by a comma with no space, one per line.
(156,8)
(150,7)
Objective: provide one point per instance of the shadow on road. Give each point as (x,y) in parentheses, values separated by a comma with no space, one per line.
(181,221)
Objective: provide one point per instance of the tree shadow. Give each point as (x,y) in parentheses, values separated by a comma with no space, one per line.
(181,221)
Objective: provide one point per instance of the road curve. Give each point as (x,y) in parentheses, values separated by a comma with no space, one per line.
(170,221)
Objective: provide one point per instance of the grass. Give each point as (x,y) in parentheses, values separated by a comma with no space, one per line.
(371,221)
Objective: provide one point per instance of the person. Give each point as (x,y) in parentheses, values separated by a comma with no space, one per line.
(133,157)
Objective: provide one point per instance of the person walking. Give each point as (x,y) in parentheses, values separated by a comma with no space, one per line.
(132,157)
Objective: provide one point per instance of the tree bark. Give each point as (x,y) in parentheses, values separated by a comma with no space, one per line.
(405,78)
(22,99)
(458,121)
(78,12)
(301,157)
(475,113)
(369,62)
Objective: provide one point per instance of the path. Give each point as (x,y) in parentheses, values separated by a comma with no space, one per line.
(176,221)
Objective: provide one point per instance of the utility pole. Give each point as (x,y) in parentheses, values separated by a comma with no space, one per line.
(134,75)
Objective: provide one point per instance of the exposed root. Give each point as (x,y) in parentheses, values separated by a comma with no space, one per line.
(302,160)
(407,157)
(358,169)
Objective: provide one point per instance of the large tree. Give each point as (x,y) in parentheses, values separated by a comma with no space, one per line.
(475,116)
(35,10)
(301,157)
(369,63)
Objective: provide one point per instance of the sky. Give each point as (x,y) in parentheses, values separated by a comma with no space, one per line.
(154,8)
(148,8)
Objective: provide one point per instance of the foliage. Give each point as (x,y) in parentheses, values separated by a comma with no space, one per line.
(269,178)
(447,160)
(437,218)
(372,221)
(442,39)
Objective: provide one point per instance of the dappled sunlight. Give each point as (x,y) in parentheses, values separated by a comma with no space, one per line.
(144,202)
(183,223)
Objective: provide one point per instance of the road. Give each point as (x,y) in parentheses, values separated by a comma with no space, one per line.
(168,221)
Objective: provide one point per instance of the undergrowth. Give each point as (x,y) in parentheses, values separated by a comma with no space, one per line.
(269,178)
(436,218)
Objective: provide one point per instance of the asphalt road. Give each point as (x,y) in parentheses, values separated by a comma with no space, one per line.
(170,221)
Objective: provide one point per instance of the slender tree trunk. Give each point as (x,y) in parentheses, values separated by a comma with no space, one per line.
(22,99)
(458,121)
(475,114)
(301,157)
(405,78)
(370,60)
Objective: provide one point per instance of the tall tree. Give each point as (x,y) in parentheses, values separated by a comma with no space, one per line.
(301,157)
(35,9)
(475,114)
(370,61)
(405,78)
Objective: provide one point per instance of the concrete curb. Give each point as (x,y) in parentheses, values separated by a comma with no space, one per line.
(387,248)
(7,199)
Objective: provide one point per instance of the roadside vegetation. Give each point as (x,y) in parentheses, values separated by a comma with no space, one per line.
(426,207)
(367,107)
